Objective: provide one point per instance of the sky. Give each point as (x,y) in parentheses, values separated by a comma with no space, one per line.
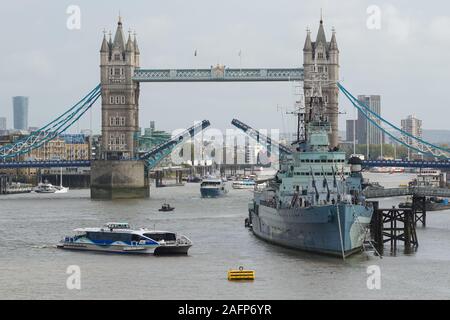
(405,60)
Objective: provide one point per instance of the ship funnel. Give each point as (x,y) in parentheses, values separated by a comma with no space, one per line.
(355,164)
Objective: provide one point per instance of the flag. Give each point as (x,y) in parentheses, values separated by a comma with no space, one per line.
(240,53)
(195,53)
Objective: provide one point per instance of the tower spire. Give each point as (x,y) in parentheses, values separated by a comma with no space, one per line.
(308,43)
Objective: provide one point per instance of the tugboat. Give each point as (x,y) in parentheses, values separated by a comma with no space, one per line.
(118,237)
(315,202)
(166,207)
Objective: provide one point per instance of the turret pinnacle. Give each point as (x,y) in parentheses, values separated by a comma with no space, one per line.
(130,44)
(136,48)
(308,43)
(105,46)
(333,42)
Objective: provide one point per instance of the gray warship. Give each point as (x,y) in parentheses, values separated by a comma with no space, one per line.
(315,202)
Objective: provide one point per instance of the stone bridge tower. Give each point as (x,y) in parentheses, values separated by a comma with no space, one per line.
(120,96)
(321,61)
(111,177)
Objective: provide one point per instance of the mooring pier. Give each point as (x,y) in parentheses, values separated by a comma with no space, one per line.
(396,225)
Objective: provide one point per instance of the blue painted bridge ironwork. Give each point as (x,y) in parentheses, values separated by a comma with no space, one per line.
(217,74)
(406,164)
(45,164)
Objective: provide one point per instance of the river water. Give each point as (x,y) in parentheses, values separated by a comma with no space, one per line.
(32,268)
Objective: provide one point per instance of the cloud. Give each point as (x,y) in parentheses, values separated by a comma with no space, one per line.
(398,27)
(439,28)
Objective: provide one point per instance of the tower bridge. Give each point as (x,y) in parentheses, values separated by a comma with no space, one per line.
(120,78)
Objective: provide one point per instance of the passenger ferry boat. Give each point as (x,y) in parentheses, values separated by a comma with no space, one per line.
(212,188)
(315,203)
(243,184)
(45,187)
(120,238)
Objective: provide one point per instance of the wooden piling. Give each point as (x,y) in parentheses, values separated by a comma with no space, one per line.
(419,210)
(393,226)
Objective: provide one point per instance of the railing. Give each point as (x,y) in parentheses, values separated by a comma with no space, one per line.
(409,191)
(406,164)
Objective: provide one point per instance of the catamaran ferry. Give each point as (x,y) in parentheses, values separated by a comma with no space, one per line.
(120,238)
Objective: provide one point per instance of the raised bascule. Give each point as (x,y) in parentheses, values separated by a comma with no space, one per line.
(121,172)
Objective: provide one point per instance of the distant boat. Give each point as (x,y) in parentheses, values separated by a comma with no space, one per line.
(212,188)
(243,184)
(60,188)
(45,187)
(193,179)
(166,207)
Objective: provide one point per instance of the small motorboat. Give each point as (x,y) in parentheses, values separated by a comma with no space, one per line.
(166,207)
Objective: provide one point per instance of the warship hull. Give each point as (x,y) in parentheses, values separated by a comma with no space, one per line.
(315,229)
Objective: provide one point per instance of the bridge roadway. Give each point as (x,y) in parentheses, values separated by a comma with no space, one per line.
(87,163)
(408,191)
(45,164)
(406,164)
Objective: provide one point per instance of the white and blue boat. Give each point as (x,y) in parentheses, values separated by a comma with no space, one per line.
(244,184)
(118,237)
(212,188)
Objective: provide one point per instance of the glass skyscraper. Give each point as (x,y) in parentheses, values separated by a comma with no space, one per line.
(367,132)
(20,108)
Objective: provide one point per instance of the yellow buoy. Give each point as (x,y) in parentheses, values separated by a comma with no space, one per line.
(241,274)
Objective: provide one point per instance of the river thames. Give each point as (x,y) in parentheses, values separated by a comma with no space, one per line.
(32,268)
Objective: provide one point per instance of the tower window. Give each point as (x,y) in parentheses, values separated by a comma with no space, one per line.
(320,55)
(117,56)
(116,99)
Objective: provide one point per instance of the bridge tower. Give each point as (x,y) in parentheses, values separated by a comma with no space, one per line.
(321,61)
(111,176)
(120,96)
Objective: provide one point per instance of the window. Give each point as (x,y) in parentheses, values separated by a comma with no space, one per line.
(320,55)
(117,99)
(122,121)
(117,71)
(117,56)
